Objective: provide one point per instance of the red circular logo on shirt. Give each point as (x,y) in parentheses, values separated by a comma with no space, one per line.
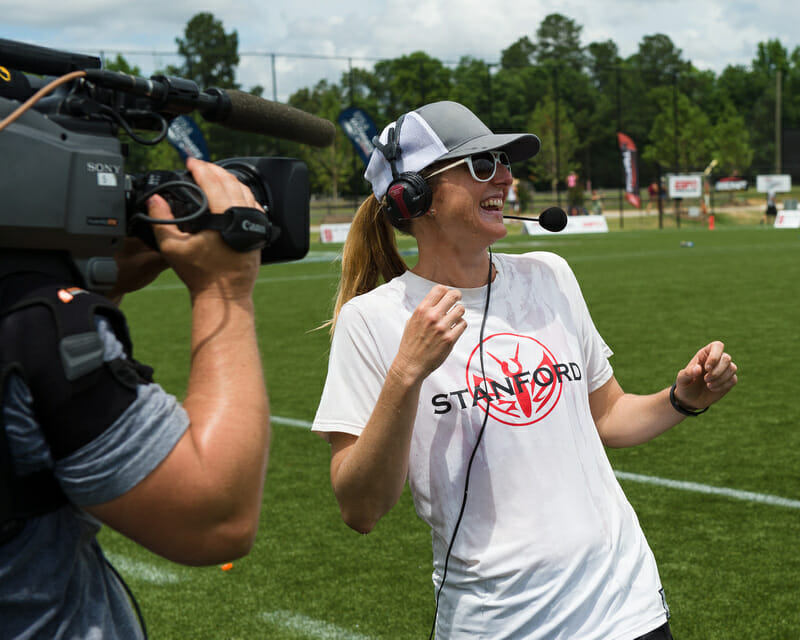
(521,380)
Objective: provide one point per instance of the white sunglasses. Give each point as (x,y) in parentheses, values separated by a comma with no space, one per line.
(482,166)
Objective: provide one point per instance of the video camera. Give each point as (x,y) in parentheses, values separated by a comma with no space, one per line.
(63,185)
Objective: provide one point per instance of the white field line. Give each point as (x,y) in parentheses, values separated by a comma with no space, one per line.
(310,627)
(143,571)
(508,244)
(179,285)
(747,496)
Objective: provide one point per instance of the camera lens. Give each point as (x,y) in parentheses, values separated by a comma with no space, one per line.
(249,178)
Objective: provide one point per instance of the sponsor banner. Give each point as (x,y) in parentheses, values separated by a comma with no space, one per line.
(775,183)
(731,184)
(630,165)
(787,220)
(187,138)
(336,232)
(575,224)
(686,186)
(359,129)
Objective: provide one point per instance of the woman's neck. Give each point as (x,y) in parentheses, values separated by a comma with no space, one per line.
(454,271)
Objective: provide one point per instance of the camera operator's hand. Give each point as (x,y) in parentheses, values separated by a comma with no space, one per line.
(137,266)
(202,260)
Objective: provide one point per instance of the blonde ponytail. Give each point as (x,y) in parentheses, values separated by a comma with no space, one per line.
(370,251)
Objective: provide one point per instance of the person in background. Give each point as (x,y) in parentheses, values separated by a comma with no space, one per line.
(771,211)
(652,195)
(574,195)
(87,438)
(480,379)
(597,202)
(513,196)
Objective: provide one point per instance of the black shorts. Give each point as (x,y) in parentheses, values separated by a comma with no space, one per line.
(662,633)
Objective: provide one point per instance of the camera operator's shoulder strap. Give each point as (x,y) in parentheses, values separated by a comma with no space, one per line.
(49,338)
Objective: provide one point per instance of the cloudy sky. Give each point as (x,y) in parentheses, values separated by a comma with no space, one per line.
(317,39)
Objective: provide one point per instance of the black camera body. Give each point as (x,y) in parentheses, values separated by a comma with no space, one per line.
(64,187)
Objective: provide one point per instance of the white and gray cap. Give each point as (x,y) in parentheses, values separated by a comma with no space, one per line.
(442,131)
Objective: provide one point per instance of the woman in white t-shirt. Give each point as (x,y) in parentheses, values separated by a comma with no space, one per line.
(486,371)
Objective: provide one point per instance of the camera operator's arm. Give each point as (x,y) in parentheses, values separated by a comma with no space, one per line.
(201,504)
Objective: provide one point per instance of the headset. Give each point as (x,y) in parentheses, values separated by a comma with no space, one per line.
(409,195)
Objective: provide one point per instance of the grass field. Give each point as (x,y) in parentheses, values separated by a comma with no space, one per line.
(726,534)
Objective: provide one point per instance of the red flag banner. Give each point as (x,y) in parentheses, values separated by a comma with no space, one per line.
(630,164)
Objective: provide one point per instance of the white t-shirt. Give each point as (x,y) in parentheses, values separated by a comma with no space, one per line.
(548,546)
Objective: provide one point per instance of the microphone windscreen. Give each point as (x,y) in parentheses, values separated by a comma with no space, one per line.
(553,219)
(257,115)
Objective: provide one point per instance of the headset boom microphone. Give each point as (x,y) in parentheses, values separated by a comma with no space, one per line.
(551,219)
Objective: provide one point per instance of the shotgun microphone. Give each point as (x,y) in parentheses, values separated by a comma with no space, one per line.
(229,108)
(249,113)
(551,219)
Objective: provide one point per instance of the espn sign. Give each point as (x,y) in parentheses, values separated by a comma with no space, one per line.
(689,186)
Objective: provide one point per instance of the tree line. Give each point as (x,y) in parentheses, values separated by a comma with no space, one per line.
(574,97)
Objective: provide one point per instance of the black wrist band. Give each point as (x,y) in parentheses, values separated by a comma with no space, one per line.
(683,410)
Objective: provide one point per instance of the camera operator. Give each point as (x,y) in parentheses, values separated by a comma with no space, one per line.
(184,480)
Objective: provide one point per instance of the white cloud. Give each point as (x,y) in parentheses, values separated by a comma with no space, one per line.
(711,33)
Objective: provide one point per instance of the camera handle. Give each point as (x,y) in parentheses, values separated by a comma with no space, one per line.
(242,228)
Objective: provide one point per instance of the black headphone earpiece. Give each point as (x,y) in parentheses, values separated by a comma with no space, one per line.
(409,195)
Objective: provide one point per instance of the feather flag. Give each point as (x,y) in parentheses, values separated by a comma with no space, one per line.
(630,164)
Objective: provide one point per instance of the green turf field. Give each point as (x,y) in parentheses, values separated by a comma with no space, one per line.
(729,559)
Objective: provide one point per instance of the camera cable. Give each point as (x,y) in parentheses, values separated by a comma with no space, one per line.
(474,448)
(190,189)
(38,96)
(130,595)
(114,116)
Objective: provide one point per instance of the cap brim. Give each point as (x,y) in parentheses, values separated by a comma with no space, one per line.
(517,146)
